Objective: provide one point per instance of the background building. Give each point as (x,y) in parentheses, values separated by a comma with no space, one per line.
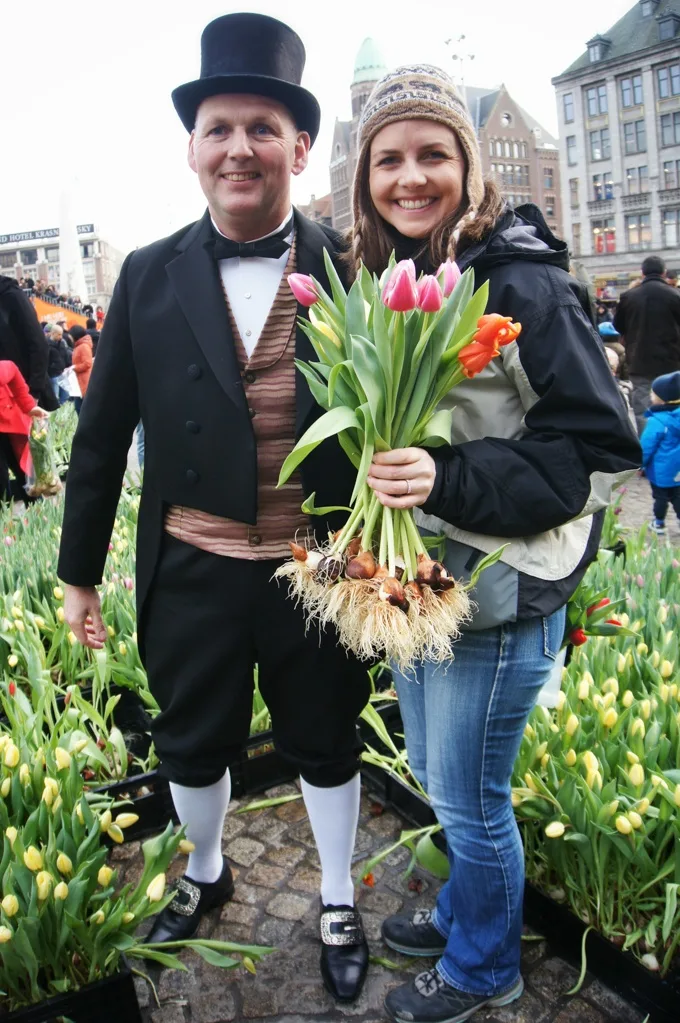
(619,116)
(520,155)
(36,254)
(319,210)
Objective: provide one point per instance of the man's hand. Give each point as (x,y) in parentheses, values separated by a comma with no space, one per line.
(402,478)
(82,610)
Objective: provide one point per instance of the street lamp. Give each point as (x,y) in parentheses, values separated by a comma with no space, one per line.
(462,57)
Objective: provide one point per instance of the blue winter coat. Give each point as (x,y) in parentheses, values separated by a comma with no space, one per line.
(661,445)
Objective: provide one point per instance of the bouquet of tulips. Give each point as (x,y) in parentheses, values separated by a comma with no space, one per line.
(46,482)
(388,353)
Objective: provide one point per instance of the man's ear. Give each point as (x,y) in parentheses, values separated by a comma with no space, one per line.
(191,158)
(302,146)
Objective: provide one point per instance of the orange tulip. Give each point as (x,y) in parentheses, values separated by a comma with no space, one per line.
(494,331)
(475,357)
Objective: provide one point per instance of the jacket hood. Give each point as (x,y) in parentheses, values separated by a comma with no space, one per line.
(669,416)
(7,284)
(520,233)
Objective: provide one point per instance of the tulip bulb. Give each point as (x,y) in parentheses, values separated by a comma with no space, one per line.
(299,552)
(413,592)
(363,566)
(392,592)
(330,568)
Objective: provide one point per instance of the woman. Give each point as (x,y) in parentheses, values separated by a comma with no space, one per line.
(16,409)
(82,362)
(539,437)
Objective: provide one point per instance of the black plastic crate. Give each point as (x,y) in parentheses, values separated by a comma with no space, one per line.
(154,808)
(112,1000)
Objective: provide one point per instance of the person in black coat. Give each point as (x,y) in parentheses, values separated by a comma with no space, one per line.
(91,327)
(648,317)
(167,356)
(23,342)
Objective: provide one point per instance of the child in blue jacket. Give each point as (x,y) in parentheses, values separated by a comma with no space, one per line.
(661,447)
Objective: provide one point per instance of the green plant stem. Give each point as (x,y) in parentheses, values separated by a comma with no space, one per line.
(372,516)
(388,527)
(416,538)
(350,528)
(409,555)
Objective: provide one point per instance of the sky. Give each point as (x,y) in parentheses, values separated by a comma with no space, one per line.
(86,90)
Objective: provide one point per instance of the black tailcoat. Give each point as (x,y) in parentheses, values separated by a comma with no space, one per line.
(167,356)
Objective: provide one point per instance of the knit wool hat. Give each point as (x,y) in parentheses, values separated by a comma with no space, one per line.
(419,92)
(667,387)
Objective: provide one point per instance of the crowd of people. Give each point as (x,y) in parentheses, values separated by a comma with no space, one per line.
(48,293)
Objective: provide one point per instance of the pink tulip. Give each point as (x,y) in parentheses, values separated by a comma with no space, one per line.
(640,581)
(430,295)
(400,293)
(451,276)
(8,541)
(303,289)
(129,585)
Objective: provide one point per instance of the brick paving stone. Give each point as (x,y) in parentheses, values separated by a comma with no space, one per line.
(527,1009)
(244,851)
(302,831)
(249,894)
(258,1002)
(397,858)
(373,901)
(239,913)
(611,1004)
(287,789)
(215,1005)
(578,1011)
(168,1014)
(306,879)
(268,828)
(265,874)
(242,934)
(233,826)
(286,855)
(553,978)
(143,991)
(287,906)
(400,885)
(384,827)
(292,812)
(275,932)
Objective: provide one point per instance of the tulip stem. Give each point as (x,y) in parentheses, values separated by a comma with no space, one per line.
(416,538)
(374,507)
(349,528)
(388,527)
(407,548)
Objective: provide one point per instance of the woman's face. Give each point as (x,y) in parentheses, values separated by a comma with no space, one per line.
(416,175)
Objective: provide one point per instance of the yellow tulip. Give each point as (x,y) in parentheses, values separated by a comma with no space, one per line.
(128,918)
(11,834)
(594,780)
(587,677)
(662,614)
(666,669)
(72,638)
(597,700)
(561,700)
(40,622)
(664,692)
(99,917)
(555,829)
(104,876)
(57,803)
(610,718)
(610,685)
(44,882)
(12,660)
(122,649)
(613,807)
(627,698)
(629,659)
(623,825)
(328,332)
(64,864)
(25,774)
(624,619)
(635,819)
(10,905)
(643,805)
(515,799)
(657,781)
(620,664)
(12,756)
(642,649)
(58,593)
(636,774)
(540,750)
(105,820)
(6,934)
(111,631)
(186,847)
(5,787)
(545,760)
(529,732)
(632,758)
(60,615)
(570,758)
(33,858)
(676,794)
(19,626)
(609,700)
(134,638)
(571,725)
(555,729)
(79,813)
(590,760)
(115,834)
(47,795)
(126,820)
(638,727)
(530,783)
(656,657)
(62,758)
(61,891)
(583,690)
(673,689)
(53,785)
(156,888)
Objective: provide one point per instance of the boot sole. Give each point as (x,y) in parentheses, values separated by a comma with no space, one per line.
(425,953)
(496,1002)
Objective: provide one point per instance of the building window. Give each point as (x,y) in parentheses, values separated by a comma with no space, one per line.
(573,192)
(548,177)
(550,205)
(596,98)
(506,149)
(604,236)
(568,101)
(603,186)
(576,239)
(598,192)
(490,147)
(499,148)
(523,147)
(571,150)
(638,232)
(647,8)
(515,150)
(524,176)
(29,257)
(637,179)
(7,259)
(631,91)
(634,137)
(599,144)
(595,52)
(670,228)
(52,255)
(669,81)
(670,129)
(671,174)
(667,28)
(87,249)
(506,120)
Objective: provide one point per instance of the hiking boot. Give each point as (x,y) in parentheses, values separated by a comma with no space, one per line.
(413,934)
(429,999)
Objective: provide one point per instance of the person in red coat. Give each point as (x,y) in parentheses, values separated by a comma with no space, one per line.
(16,409)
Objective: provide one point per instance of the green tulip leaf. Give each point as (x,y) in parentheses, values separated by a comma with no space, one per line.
(319,390)
(437,431)
(339,293)
(309,508)
(329,425)
(215,958)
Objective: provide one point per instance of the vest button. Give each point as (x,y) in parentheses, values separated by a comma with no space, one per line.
(249,376)
(256,539)
(194,372)
(192,476)
(252,413)
(192,427)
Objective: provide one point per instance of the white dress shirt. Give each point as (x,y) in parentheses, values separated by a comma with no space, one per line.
(251,285)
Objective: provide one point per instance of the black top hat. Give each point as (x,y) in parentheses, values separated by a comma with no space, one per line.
(250,53)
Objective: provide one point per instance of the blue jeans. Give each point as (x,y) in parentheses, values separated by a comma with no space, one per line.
(463,725)
(140,444)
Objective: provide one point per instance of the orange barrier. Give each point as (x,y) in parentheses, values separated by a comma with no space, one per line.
(52,313)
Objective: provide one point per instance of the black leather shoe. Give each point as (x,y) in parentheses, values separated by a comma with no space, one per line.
(180,919)
(413,934)
(344,952)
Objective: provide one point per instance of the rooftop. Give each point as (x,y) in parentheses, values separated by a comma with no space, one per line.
(369,65)
(634,31)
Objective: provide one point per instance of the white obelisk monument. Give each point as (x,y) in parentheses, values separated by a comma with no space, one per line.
(71,274)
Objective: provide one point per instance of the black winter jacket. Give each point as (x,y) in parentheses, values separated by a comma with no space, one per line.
(23,342)
(648,316)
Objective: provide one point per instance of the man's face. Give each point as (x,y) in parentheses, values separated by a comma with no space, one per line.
(244,150)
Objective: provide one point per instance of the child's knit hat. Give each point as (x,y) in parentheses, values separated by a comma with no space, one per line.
(667,387)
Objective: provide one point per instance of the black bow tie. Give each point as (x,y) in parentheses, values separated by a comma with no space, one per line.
(268,248)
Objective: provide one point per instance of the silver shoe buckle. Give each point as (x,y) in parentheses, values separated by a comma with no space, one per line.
(351,933)
(187,908)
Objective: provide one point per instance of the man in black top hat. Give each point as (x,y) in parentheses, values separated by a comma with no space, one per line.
(185,310)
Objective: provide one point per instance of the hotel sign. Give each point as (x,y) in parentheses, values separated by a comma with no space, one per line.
(36,236)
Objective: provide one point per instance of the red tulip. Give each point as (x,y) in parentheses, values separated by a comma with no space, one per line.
(475,357)
(451,276)
(430,296)
(12,688)
(400,293)
(577,637)
(495,331)
(303,288)
(596,607)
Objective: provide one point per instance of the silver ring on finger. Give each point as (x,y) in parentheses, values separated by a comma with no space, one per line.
(408,487)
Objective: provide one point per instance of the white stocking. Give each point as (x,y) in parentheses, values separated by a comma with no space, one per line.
(334,815)
(203,811)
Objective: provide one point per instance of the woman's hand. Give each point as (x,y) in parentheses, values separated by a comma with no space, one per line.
(39,413)
(402,478)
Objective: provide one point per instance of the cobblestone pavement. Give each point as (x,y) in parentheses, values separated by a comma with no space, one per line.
(637,509)
(276,903)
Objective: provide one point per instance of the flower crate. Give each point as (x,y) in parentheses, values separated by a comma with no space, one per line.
(259,767)
(150,799)
(106,1001)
